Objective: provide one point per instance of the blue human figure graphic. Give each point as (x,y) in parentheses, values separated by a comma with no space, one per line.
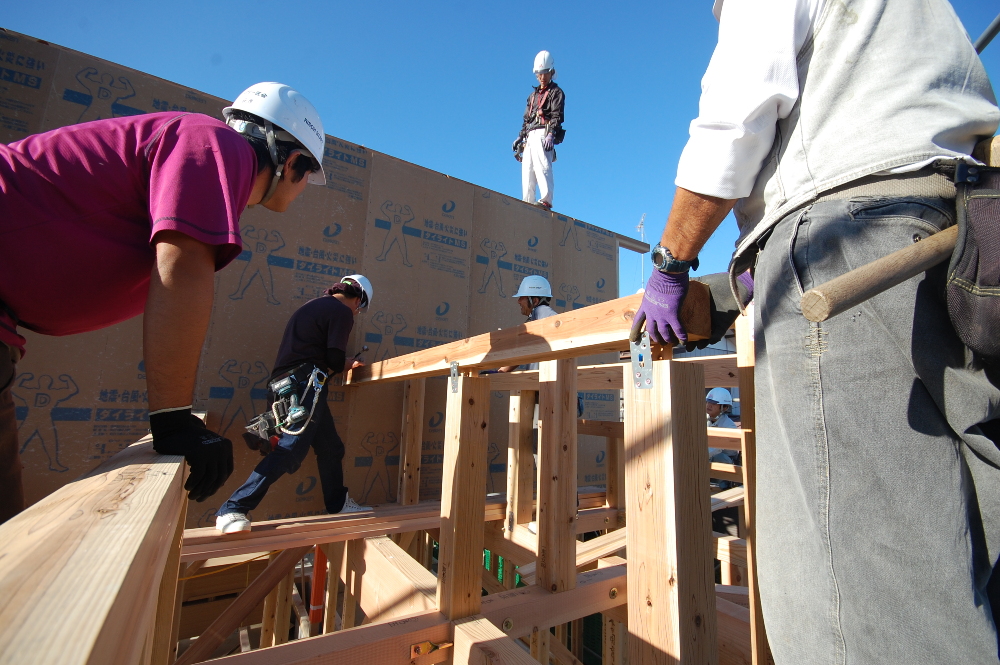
(398,216)
(379,448)
(244,378)
(570,228)
(261,243)
(494,252)
(105,91)
(388,327)
(40,397)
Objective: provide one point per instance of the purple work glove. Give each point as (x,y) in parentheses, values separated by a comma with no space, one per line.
(746,280)
(548,142)
(661,308)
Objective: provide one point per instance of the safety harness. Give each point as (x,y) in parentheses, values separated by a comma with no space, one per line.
(287,414)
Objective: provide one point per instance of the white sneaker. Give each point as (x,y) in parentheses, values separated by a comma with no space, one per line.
(351,506)
(533,527)
(232,523)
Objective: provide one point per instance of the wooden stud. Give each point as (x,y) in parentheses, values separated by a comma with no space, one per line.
(232,616)
(164,643)
(412,435)
(335,563)
(393,584)
(352,583)
(671,589)
(479,641)
(576,637)
(463,500)
(613,638)
(615,493)
(745,351)
(283,608)
(520,460)
(540,639)
(189,570)
(557,496)
(268,616)
(558,653)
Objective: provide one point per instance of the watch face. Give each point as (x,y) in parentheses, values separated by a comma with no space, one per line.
(659,256)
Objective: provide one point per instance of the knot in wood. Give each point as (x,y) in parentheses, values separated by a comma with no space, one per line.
(554,588)
(558,323)
(483,425)
(565,448)
(697,620)
(471,401)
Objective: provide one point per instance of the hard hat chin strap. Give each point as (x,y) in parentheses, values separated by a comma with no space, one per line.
(279,168)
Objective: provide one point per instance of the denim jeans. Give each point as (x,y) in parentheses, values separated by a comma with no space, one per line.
(878,492)
(321,435)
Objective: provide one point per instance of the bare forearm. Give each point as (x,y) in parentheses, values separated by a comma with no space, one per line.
(178,310)
(693,219)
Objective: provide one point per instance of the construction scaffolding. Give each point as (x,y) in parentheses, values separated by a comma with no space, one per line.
(98,572)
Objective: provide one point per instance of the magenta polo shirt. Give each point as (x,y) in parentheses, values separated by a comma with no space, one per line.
(80,208)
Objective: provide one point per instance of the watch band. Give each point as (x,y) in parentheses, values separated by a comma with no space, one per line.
(664,261)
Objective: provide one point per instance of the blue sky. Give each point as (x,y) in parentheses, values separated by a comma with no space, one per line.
(443,84)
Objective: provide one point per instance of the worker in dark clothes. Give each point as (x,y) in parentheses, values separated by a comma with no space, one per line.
(106,220)
(541,131)
(313,347)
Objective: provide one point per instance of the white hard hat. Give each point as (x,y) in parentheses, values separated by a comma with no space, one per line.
(291,111)
(719,396)
(365,285)
(544,61)
(534,286)
(717,9)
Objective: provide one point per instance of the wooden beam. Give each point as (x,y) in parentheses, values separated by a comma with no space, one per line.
(613,636)
(283,608)
(609,428)
(353,574)
(518,545)
(540,641)
(520,459)
(615,493)
(269,613)
(230,619)
(560,653)
(334,564)
(460,549)
(720,371)
(412,434)
(94,551)
(531,607)
(588,377)
(479,642)
(587,552)
(631,243)
(580,332)
(730,549)
(745,351)
(723,471)
(557,453)
(393,584)
(671,593)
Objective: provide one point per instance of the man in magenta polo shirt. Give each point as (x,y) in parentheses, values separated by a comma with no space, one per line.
(105,220)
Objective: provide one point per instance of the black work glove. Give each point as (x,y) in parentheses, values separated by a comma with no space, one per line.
(724,307)
(209,454)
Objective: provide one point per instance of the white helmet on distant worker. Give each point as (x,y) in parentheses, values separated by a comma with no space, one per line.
(719,396)
(534,286)
(292,112)
(366,287)
(544,62)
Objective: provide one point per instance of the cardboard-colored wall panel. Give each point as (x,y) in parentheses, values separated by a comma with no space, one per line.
(418,235)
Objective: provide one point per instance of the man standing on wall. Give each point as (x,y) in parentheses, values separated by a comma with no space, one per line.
(134,215)
(827,125)
(541,131)
(313,347)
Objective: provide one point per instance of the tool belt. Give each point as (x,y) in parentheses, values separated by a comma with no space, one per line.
(287,413)
(972,289)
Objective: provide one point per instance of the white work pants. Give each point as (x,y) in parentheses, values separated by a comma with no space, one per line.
(536,168)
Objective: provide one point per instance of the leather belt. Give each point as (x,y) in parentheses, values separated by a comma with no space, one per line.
(928,182)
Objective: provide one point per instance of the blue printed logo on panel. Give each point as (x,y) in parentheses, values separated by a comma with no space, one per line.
(533,241)
(600,284)
(442,309)
(448,207)
(436,420)
(600,457)
(334,232)
(306,486)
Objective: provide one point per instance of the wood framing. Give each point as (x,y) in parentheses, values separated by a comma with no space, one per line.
(588,377)
(594,329)
(94,551)
(557,452)
(411,436)
(460,548)
(393,584)
(520,459)
(671,614)
(230,619)
(745,361)
(479,641)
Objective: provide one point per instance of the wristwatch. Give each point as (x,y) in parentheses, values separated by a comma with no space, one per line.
(664,261)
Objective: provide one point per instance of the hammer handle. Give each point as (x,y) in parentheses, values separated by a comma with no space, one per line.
(855,287)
